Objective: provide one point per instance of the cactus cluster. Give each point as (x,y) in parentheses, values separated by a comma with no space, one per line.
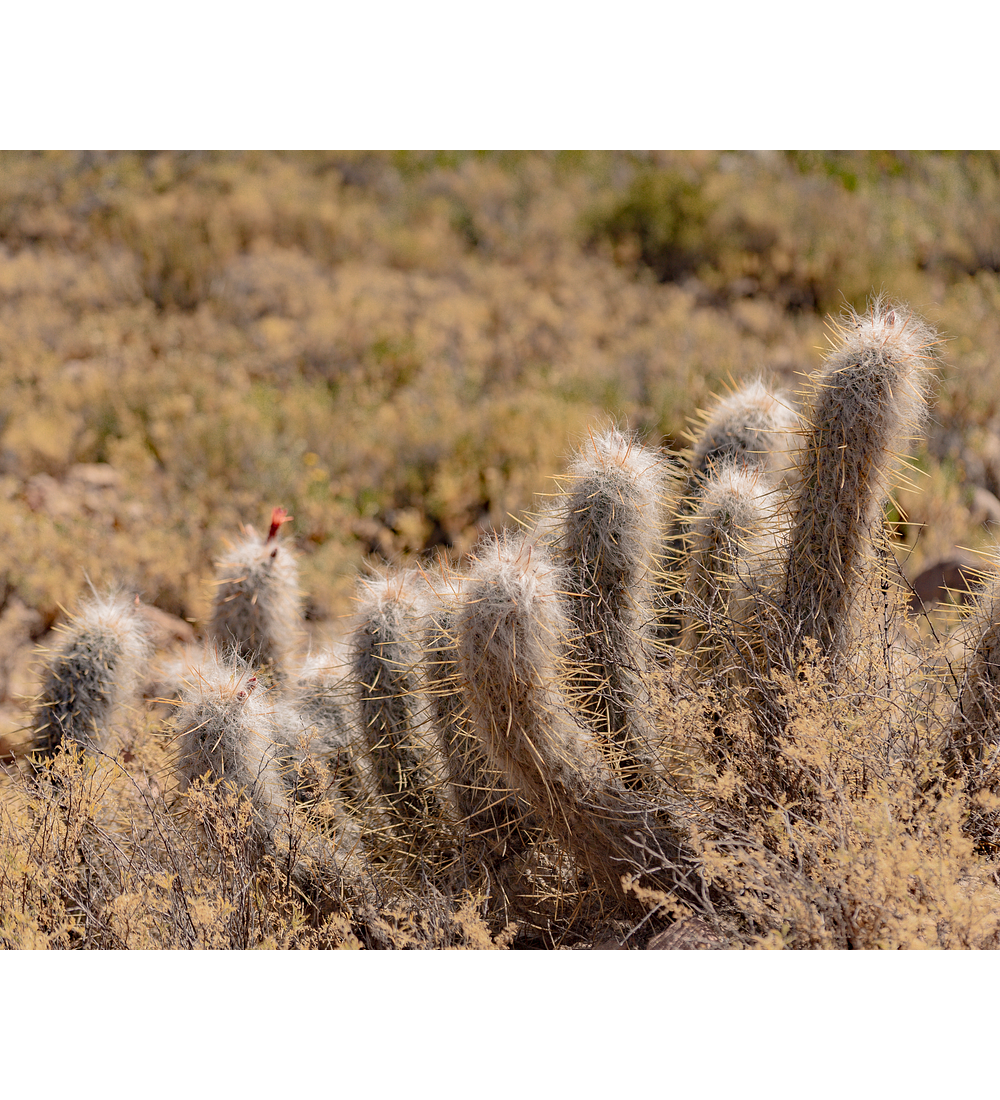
(502,730)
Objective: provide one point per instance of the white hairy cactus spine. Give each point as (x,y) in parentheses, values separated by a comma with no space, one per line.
(735,514)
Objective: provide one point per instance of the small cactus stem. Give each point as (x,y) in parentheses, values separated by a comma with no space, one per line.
(735,512)
(512,630)
(320,691)
(753,428)
(384,658)
(870,399)
(494,821)
(610,517)
(257,604)
(498,834)
(93,673)
(227,734)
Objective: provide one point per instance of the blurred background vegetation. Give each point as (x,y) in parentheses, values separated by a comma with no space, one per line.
(401,348)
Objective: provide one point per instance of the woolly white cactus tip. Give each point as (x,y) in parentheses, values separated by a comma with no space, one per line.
(755,423)
(753,397)
(254,550)
(406,592)
(614,450)
(737,490)
(217,674)
(328,663)
(889,328)
(875,381)
(514,563)
(258,564)
(115,612)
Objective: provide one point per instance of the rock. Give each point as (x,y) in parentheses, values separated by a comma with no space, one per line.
(955,578)
(89,488)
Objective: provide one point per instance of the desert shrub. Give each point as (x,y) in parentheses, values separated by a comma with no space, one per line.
(661,221)
(804,230)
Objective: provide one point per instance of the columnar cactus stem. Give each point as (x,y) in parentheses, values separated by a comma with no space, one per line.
(754,429)
(227,734)
(610,519)
(384,656)
(232,732)
(735,512)
(320,693)
(869,402)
